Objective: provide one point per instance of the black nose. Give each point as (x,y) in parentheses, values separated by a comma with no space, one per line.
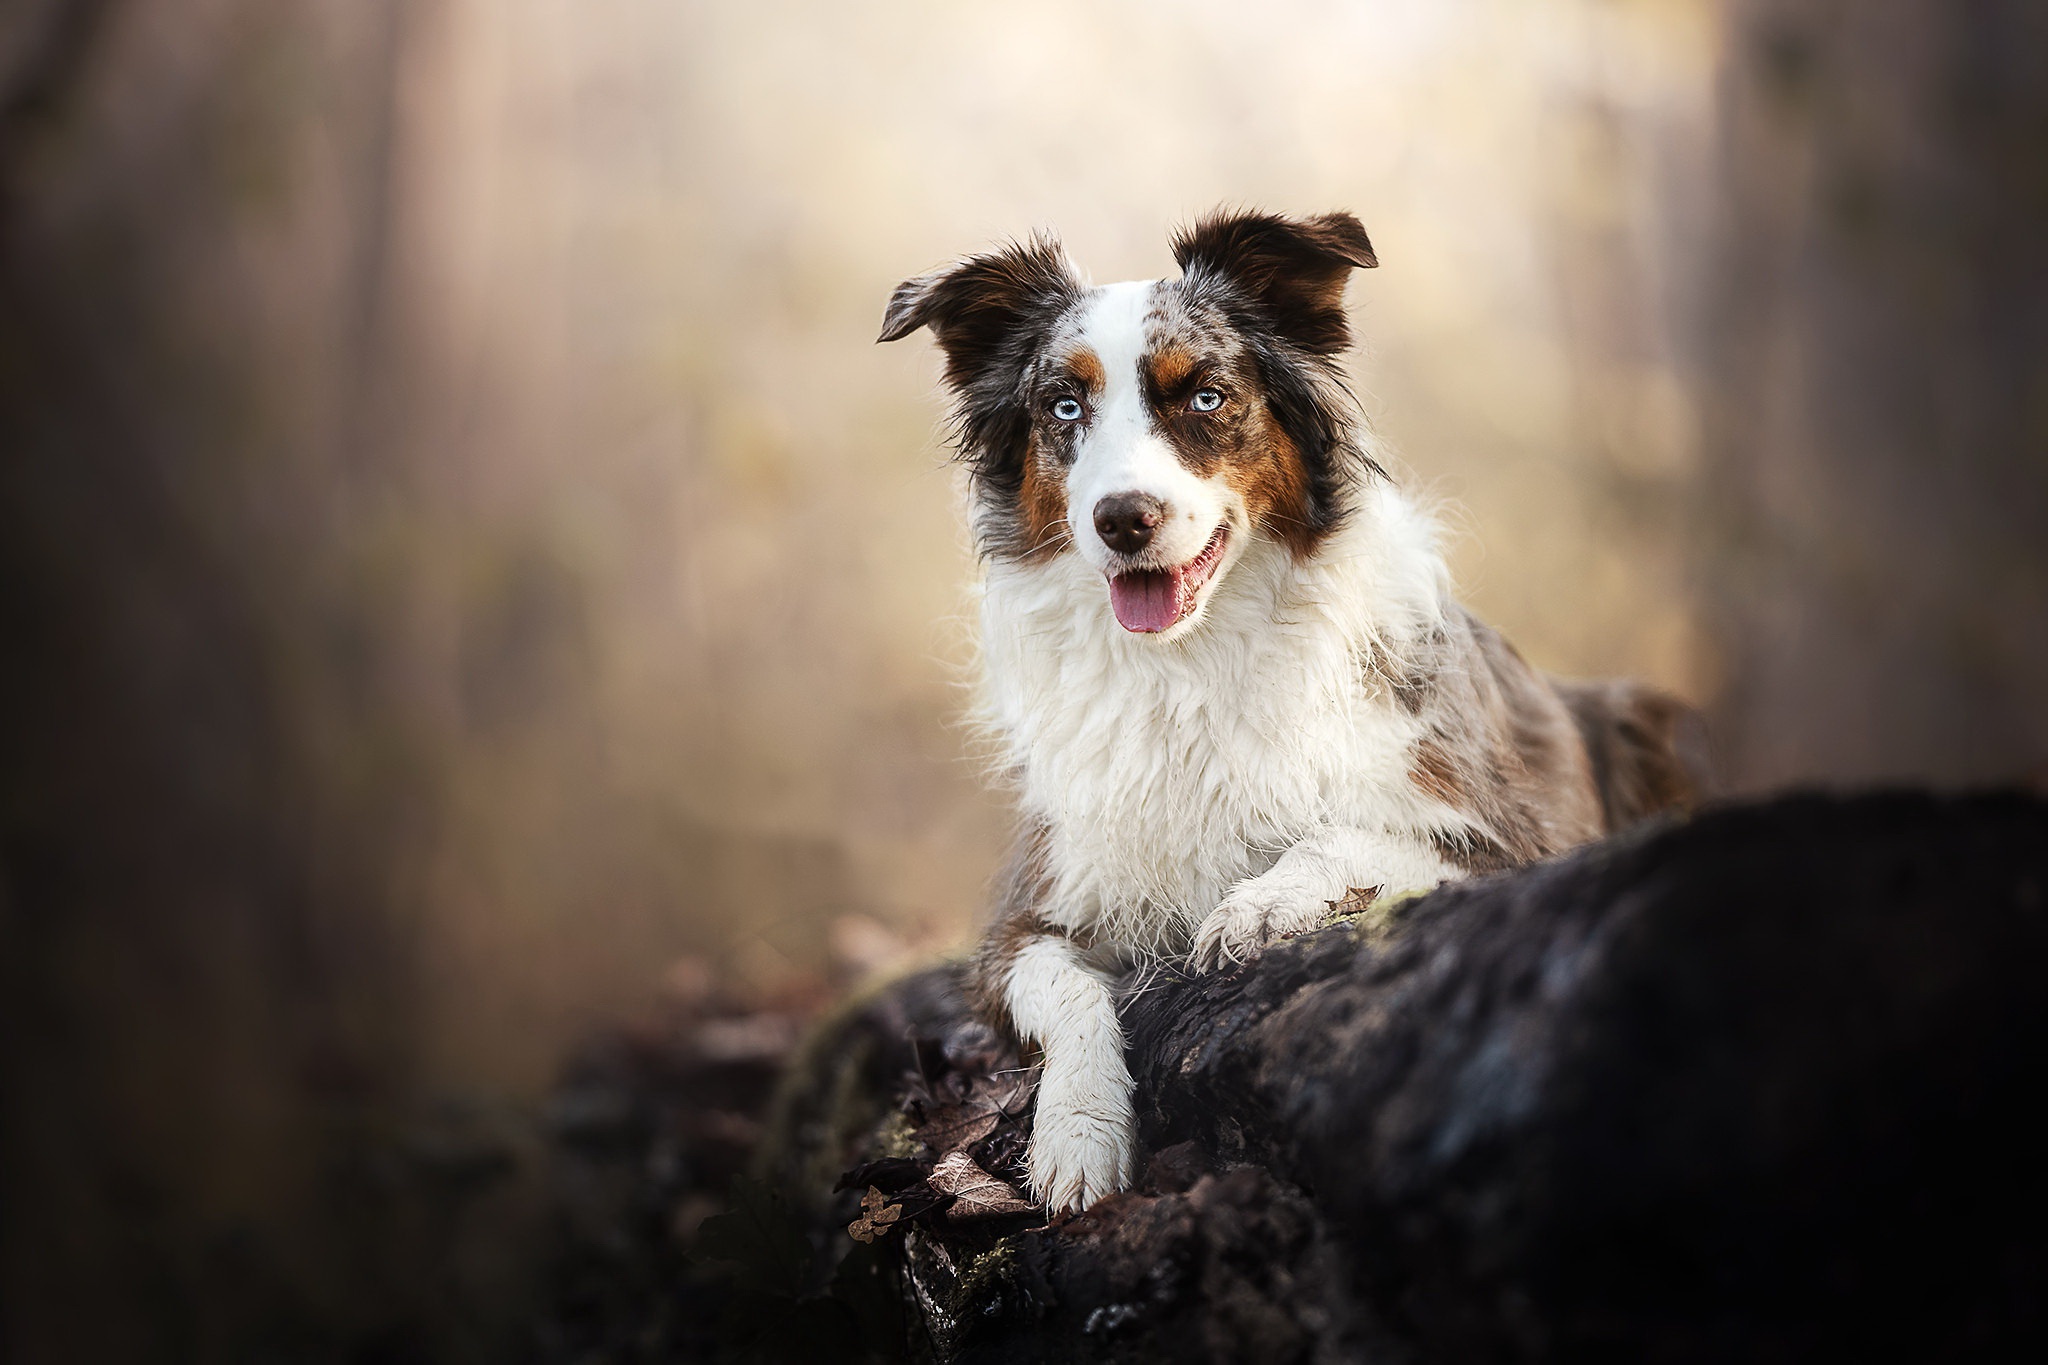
(1126,521)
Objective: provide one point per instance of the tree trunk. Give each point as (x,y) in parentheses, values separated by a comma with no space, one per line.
(1750,1088)
(1874,349)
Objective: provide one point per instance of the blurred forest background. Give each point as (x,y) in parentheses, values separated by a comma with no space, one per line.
(468,572)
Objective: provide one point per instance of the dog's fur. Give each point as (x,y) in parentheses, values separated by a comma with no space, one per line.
(1296,709)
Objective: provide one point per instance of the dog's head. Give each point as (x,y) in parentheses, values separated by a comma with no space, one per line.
(1153,428)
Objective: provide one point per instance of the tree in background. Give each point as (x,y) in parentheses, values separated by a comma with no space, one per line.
(206,1004)
(1875,376)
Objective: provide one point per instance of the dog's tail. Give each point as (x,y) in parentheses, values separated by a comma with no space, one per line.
(1648,749)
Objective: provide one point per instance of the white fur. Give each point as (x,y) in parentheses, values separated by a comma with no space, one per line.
(1205,788)
(1169,770)
(1293,895)
(1084,1135)
(1122,451)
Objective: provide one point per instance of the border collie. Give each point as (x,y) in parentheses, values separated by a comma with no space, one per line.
(1222,662)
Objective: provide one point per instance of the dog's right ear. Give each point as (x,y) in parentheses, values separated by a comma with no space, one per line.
(988,311)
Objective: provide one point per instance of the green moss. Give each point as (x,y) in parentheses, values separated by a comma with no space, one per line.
(893,1136)
(1378,920)
(991,1269)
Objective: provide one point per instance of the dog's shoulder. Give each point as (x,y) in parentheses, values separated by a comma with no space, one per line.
(1499,747)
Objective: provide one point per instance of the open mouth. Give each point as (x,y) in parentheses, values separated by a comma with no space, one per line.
(1151,600)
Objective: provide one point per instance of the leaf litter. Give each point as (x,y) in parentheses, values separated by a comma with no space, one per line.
(969,1105)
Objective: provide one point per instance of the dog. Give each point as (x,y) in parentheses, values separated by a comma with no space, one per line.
(1222,664)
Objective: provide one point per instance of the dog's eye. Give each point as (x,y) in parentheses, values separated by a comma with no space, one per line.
(1067,410)
(1205,400)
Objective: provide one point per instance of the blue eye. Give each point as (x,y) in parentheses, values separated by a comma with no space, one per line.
(1205,400)
(1067,410)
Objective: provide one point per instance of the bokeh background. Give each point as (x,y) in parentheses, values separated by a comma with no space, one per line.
(468,572)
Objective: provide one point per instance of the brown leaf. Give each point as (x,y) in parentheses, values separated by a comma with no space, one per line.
(1007,1092)
(1355,899)
(976,1193)
(987,1102)
(876,1214)
(957,1126)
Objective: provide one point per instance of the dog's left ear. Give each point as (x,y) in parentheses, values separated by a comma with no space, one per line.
(1291,270)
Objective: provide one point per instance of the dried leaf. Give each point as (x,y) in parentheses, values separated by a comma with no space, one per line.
(876,1214)
(976,1193)
(1354,900)
(957,1125)
(1007,1092)
(988,1101)
(1002,1154)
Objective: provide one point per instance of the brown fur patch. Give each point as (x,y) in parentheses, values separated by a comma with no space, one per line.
(1435,773)
(1190,345)
(1042,506)
(1167,371)
(1086,368)
(992,958)
(1268,474)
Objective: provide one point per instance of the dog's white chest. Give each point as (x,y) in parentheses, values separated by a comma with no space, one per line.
(1165,775)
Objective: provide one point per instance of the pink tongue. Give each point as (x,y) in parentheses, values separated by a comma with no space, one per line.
(1144,600)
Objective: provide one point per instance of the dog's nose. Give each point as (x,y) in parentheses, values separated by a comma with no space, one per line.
(1126,521)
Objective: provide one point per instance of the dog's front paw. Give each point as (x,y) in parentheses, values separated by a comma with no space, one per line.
(1082,1146)
(1254,914)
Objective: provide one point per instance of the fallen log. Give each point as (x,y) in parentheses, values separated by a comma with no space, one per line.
(1755,1087)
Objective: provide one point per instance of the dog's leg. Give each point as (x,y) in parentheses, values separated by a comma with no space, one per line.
(1294,895)
(1084,1135)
